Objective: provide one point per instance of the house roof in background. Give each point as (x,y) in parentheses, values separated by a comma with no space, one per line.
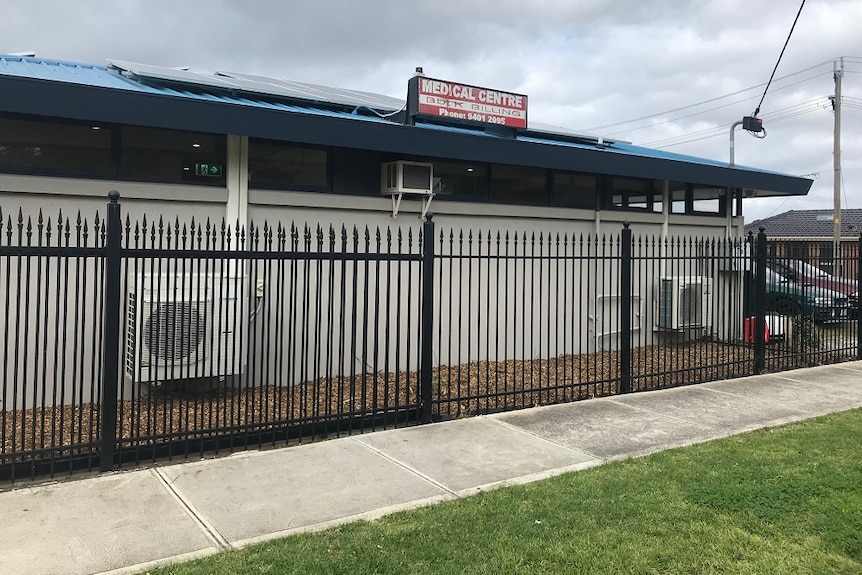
(808,224)
(219,102)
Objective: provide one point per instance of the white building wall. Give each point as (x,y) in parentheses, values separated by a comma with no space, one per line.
(542,320)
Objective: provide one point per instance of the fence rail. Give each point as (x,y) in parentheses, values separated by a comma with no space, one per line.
(126,342)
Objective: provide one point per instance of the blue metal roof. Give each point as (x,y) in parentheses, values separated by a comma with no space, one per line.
(88,91)
(104,77)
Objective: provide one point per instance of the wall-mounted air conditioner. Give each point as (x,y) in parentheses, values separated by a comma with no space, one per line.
(407,178)
(413,178)
(185,326)
(684,302)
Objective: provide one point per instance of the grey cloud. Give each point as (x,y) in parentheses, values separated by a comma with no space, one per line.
(583,63)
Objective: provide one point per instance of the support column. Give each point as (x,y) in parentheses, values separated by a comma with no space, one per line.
(237,181)
(666,201)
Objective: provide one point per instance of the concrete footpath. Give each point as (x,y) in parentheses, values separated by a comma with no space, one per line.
(127,522)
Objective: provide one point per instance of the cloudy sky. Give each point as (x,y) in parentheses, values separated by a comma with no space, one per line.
(664,73)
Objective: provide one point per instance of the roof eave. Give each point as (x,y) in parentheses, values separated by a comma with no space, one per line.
(24,95)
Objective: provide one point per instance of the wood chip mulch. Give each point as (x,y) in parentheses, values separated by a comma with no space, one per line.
(458,391)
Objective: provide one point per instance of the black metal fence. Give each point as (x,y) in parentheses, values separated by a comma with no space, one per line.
(126,342)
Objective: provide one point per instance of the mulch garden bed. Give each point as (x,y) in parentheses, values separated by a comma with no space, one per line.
(171,412)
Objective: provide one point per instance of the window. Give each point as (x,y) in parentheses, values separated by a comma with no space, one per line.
(172,156)
(518,185)
(461,181)
(574,190)
(39,147)
(281,166)
(709,200)
(632,194)
(678,196)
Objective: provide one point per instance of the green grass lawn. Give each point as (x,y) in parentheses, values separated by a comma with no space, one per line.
(785,500)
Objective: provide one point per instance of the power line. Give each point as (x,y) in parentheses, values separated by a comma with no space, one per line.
(757,110)
(669,120)
(743,90)
(722,129)
(709,101)
(714,132)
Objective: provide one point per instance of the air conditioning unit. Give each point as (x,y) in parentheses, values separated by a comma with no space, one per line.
(684,302)
(413,178)
(407,178)
(185,326)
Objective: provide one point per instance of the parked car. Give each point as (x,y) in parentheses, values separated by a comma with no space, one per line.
(802,272)
(788,297)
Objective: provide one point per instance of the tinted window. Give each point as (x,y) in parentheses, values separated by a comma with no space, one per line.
(514,184)
(33,146)
(461,181)
(575,190)
(171,156)
(274,165)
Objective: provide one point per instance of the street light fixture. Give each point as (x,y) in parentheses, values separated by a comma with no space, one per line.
(751,124)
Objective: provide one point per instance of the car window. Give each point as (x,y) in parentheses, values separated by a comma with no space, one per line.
(774,277)
(809,270)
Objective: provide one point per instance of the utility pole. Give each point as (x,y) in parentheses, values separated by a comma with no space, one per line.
(836,163)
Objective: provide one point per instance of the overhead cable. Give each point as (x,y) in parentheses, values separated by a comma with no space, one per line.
(757,110)
(709,101)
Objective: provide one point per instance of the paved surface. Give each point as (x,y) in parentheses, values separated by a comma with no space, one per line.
(129,521)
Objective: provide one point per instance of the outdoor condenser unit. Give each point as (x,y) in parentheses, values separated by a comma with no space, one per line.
(684,302)
(185,326)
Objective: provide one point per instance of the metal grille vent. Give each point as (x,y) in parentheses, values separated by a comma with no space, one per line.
(131,342)
(174,332)
(691,305)
(415,177)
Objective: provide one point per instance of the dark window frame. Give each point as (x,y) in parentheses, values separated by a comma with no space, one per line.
(610,191)
(722,201)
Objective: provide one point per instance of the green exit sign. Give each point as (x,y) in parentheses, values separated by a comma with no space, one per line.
(210,170)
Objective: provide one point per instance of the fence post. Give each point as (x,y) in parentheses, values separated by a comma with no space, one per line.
(111,350)
(626,309)
(427,318)
(760,303)
(858,310)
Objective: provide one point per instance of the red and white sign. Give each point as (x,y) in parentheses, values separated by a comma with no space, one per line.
(461,102)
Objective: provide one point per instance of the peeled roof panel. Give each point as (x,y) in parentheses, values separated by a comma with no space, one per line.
(313,92)
(543,128)
(172,75)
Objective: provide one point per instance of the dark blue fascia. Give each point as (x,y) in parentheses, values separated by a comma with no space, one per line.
(37,97)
